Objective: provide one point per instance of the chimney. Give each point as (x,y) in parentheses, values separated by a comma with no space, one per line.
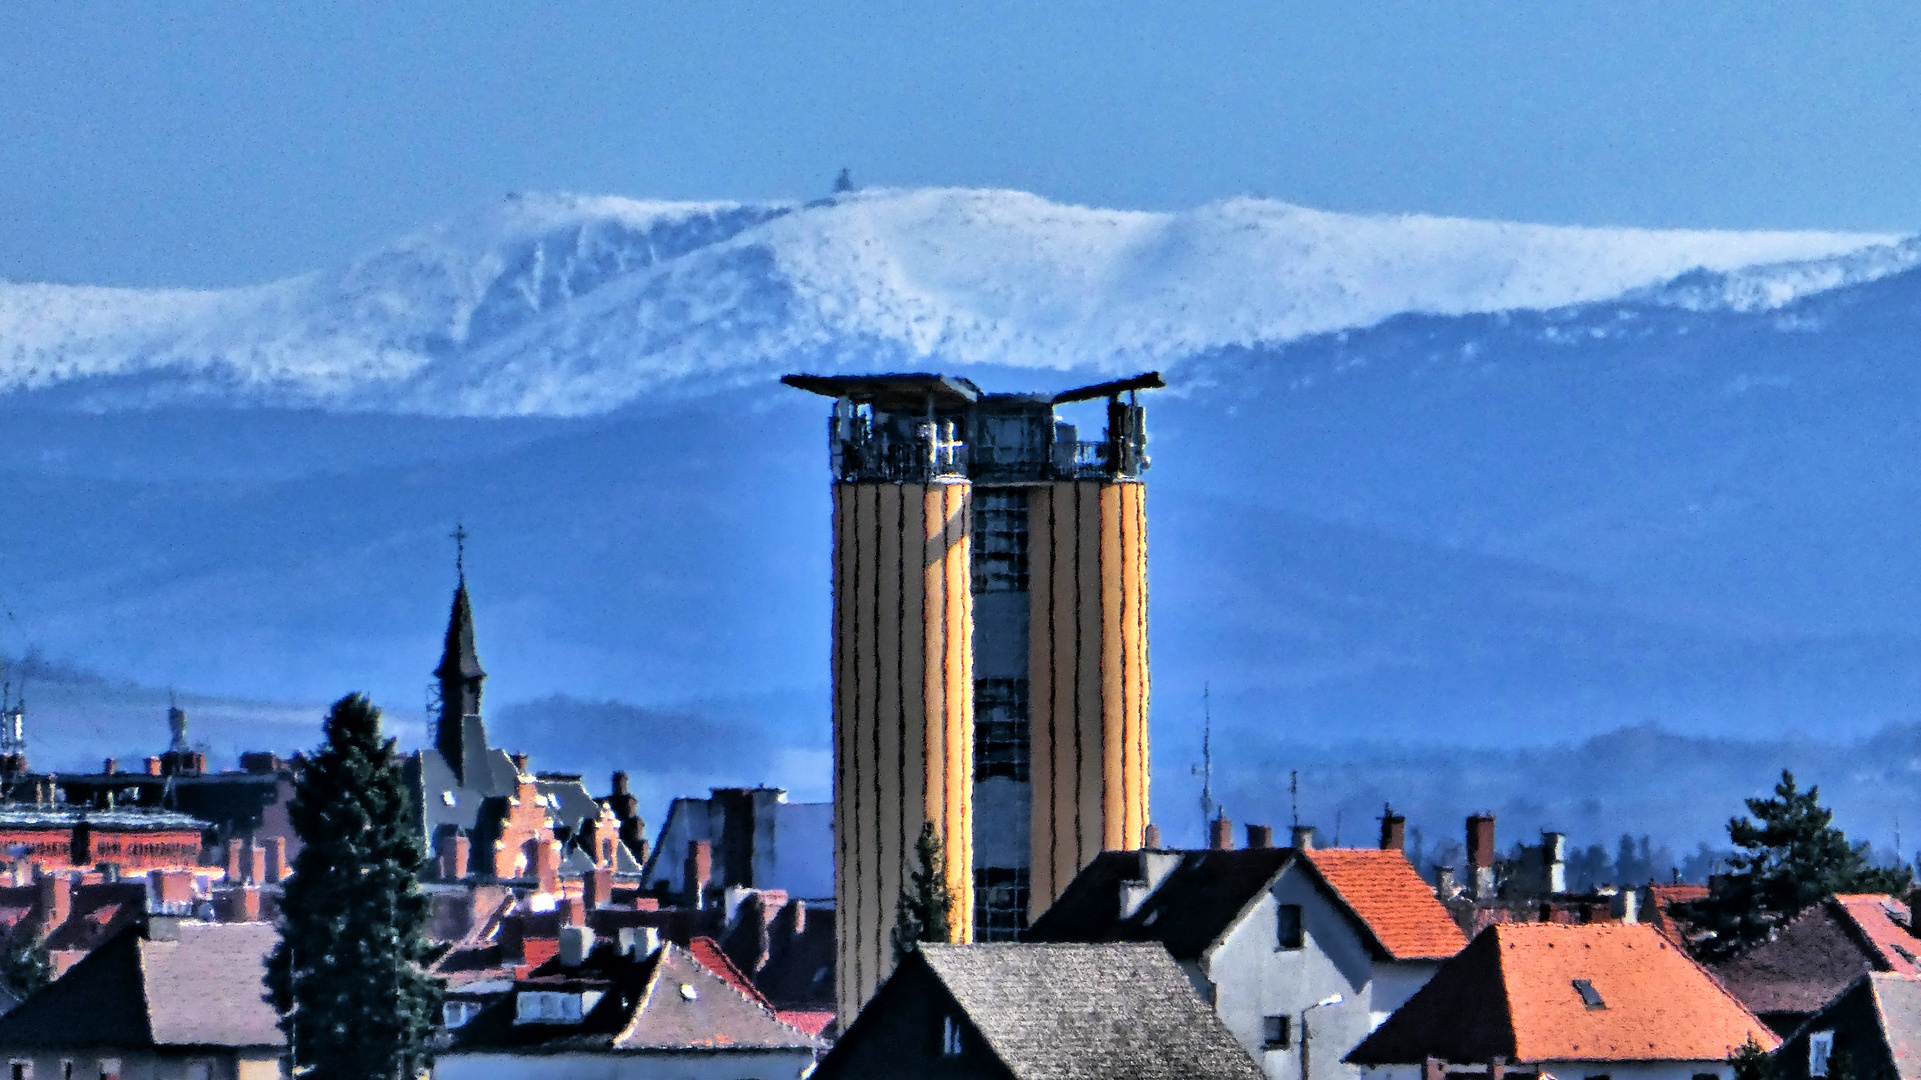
(573,911)
(277,868)
(1434,1069)
(1626,905)
(173,886)
(238,904)
(108,767)
(56,901)
(1260,837)
(1480,856)
(547,866)
(576,943)
(1554,855)
(153,766)
(1221,837)
(1151,837)
(256,863)
(1497,1068)
(598,885)
(1444,884)
(699,871)
(1393,830)
(520,764)
(236,870)
(639,942)
(452,852)
(799,908)
(1303,838)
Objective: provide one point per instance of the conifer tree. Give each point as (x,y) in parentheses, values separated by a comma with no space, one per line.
(26,964)
(347,976)
(926,909)
(1791,857)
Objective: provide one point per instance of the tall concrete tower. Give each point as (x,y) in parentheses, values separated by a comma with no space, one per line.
(990,648)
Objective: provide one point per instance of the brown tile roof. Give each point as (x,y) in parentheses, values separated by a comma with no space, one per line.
(1513,991)
(1388,897)
(203,989)
(1882,922)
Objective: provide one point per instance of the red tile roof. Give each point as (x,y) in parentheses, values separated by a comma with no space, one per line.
(708,952)
(1513,992)
(1883,922)
(812,1021)
(1387,895)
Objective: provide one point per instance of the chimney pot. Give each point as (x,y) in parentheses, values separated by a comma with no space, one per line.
(576,944)
(108,767)
(1221,838)
(1151,837)
(699,871)
(1480,856)
(1303,838)
(236,869)
(1260,837)
(153,766)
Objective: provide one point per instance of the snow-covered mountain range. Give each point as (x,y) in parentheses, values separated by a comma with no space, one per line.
(1417,482)
(566,305)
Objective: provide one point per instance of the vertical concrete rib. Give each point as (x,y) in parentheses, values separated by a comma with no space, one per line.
(1113,719)
(843,821)
(1042,885)
(1064,633)
(1088,654)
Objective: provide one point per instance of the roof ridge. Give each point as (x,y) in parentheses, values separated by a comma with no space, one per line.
(1288,859)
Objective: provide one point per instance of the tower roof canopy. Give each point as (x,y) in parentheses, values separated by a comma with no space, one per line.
(904,392)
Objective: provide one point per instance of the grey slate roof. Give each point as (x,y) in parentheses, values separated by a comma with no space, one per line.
(1089,1012)
(1197,903)
(202,990)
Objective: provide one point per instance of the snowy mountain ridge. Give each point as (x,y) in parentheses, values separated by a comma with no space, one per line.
(575,305)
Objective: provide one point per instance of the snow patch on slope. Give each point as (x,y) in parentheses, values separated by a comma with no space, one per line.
(562,304)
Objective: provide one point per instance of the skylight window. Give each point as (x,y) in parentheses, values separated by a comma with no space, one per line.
(1589,995)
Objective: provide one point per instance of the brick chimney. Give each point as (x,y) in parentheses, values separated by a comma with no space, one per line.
(56,901)
(236,867)
(1480,856)
(1303,838)
(1260,837)
(452,851)
(699,871)
(520,764)
(238,904)
(277,868)
(153,766)
(598,885)
(1151,837)
(256,863)
(1393,830)
(172,886)
(547,865)
(573,911)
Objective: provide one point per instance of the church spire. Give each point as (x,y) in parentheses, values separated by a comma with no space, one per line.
(459,671)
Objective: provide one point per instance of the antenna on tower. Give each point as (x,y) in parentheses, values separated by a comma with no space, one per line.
(1206,767)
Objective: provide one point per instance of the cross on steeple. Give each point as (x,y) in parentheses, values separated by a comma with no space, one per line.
(459,536)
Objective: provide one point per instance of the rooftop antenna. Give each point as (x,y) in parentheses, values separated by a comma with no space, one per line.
(1207,760)
(1294,795)
(459,536)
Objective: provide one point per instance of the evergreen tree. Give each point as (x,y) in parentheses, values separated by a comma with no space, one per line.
(26,963)
(1750,1062)
(926,909)
(347,976)
(1790,858)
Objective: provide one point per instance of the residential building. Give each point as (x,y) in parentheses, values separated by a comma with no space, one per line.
(173,1000)
(628,1009)
(990,648)
(1300,951)
(1819,953)
(759,840)
(1869,1031)
(1037,1012)
(1614,1000)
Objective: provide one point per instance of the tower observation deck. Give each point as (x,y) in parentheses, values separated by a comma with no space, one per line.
(990,647)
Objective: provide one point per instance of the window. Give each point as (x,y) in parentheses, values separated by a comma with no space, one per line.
(1000,729)
(199,1070)
(1000,903)
(999,554)
(950,1036)
(1589,995)
(1277,1032)
(1287,926)
(1820,1049)
(22,1070)
(455,1014)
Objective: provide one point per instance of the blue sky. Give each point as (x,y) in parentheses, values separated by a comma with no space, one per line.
(198,144)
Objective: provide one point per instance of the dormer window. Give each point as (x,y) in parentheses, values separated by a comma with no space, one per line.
(1589,995)
(553,1006)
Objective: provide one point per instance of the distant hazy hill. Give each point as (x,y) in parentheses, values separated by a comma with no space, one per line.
(1455,488)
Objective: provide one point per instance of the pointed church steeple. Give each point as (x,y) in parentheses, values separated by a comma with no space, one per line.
(460,676)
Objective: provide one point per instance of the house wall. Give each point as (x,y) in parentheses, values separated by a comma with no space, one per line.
(1252,978)
(91,1064)
(629,1065)
(1583,1070)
